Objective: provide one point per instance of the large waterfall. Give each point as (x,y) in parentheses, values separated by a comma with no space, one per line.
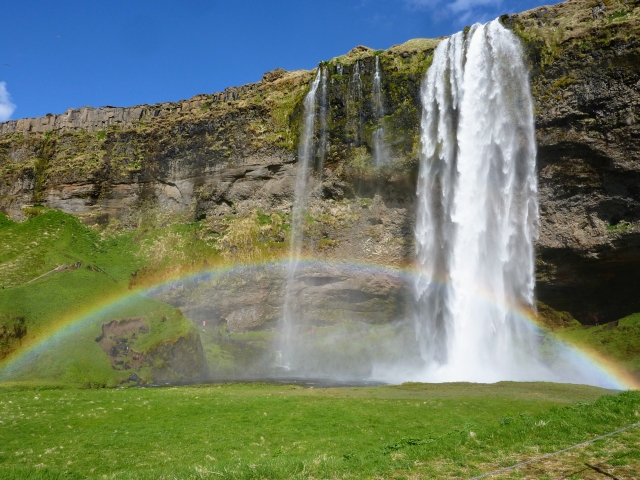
(305,157)
(477,211)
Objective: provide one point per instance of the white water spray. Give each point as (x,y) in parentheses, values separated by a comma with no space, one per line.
(477,211)
(305,156)
(380,151)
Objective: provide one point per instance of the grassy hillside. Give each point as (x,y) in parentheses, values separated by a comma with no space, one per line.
(55,270)
(285,431)
(76,358)
(619,340)
(53,267)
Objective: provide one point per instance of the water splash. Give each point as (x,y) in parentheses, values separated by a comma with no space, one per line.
(380,150)
(477,210)
(305,156)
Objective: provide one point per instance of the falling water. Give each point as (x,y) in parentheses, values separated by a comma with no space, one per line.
(477,210)
(324,112)
(305,155)
(355,95)
(380,153)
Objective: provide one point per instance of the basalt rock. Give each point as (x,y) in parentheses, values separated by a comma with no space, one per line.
(248,299)
(586,86)
(179,361)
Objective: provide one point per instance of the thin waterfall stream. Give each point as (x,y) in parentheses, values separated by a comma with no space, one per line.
(380,151)
(324,112)
(354,103)
(305,157)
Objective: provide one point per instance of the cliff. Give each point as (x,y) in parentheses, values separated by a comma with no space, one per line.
(228,160)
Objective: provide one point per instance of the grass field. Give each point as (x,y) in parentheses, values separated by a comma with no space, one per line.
(287,431)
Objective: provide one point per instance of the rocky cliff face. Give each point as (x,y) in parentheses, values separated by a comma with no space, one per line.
(230,156)
(586,83)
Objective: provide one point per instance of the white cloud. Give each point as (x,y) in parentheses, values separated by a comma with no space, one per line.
(6,107)
(460,6)
(464,10)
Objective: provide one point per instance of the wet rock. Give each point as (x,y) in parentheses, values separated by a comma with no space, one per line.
(252,299)
(180,360)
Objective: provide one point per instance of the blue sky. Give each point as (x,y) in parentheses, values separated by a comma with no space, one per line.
(64,54)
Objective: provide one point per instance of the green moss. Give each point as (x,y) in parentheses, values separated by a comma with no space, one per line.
(326,243)
(285,108)
(166,324)
(554,319)
(30,212)
(620,14)
(5,221)
(621,226)
(41,166)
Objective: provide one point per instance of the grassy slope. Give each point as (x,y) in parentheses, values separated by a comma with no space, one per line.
(77,359)
(39,245)
(110,263)
(278,431)
(35,247)
(619,341)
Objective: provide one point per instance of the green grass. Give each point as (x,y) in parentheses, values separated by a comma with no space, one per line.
(32,250)
(97,269)
(5,221)
(52,239)
(75,358)
(280,431)
(617,340)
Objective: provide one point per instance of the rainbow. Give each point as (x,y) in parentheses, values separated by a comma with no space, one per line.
(609,373)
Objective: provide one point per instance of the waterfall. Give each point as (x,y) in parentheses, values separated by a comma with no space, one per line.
(355,95)
(477,211)
(380,151)
(305,156)
(324,112)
